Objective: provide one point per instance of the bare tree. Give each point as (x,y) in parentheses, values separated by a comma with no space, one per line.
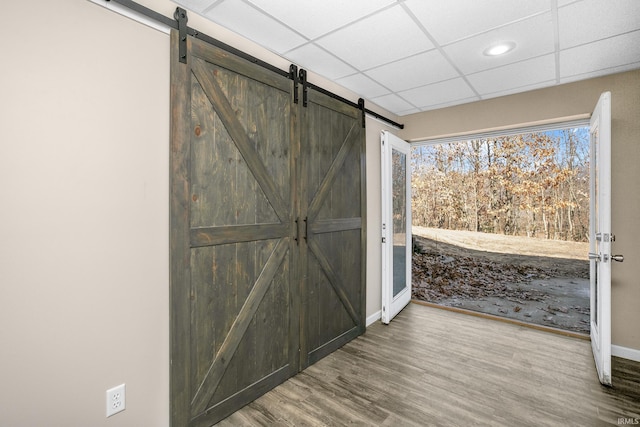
(533,185)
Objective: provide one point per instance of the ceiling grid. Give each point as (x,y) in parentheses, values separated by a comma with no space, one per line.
(409,56)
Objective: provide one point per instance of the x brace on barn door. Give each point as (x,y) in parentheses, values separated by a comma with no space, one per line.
(180,23)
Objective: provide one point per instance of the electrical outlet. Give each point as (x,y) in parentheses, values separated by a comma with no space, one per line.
(115,400)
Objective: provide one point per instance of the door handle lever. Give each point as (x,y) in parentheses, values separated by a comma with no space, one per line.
(594,256)
(618,258)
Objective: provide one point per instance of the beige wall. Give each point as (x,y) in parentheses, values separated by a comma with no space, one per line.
(84,183)
(563,101)
(84,216)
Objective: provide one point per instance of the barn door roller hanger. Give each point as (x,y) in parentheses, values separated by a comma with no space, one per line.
(180,15)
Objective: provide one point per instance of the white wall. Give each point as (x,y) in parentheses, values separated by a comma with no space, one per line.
(84,183)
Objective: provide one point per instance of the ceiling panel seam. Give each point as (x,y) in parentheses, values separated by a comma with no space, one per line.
(556,37)
(439,48)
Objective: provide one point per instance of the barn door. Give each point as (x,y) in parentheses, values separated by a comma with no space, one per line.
(234,307)
(333,216)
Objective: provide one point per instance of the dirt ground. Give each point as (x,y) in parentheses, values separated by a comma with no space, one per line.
(533,280)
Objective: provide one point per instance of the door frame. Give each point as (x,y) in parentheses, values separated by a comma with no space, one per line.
(600,236)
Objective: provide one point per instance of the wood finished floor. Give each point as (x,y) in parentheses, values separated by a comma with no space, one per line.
(432,367)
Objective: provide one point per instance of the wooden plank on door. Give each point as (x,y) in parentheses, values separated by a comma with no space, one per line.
(179,324)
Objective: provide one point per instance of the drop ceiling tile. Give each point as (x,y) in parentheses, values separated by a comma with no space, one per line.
(599,73)
(415,71)
(363,86)
(516,75)
(566,2)
(245,20)
(315,18)
(520,89)
(319,61)
(376,39)
(590,20)
(533,37)
(406,112)
(601,55)
(438,93)
(450,103)
(197,6)
(448,21)
(392,102)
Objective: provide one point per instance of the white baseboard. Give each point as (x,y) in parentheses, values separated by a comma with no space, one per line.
(374,317)
(625,352)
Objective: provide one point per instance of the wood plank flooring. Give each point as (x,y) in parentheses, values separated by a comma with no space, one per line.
(432,367)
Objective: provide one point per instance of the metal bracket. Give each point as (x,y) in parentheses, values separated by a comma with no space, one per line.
(605,237)
(293,75)
(180,15)
(305,89)
(364,113)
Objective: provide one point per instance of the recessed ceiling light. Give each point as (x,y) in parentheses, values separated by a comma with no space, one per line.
(499,49)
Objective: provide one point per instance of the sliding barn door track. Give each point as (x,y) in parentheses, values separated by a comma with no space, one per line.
(180,23)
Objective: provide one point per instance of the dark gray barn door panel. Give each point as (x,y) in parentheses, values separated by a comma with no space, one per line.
(333,203)
(235,324)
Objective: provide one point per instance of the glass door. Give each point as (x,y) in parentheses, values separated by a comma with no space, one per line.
(396,225)
(600,236)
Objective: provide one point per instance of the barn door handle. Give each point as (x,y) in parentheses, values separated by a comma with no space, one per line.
(306,228)
(298,225)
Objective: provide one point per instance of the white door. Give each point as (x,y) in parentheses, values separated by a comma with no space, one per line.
(396,225)
(600,236)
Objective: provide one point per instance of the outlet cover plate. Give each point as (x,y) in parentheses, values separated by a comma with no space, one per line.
(115,400)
